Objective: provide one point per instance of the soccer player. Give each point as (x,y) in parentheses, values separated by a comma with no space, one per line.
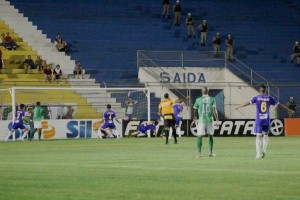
(37,117)
(144,127)
(27,121)
(206,107)
(178,108)
(18,122)
(165,109)
(109,127)
(262,102)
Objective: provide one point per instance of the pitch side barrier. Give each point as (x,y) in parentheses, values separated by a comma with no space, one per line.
(88,128)
(226,128)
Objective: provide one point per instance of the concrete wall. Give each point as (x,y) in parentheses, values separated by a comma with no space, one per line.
(235,90)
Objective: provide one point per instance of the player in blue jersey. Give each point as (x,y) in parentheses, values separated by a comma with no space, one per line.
(178,108)
(18,122)
(109,128)
(262,102)
(144,127)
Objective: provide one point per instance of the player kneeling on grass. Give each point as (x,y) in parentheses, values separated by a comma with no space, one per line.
(144,127)
(18,123)
(263,103)
(108,129)
(206,107)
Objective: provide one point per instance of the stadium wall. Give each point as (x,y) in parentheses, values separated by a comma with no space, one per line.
(236,91)
(82,129)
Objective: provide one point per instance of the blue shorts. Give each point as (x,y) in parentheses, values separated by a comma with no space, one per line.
(177,121)
(18,126)
(108,125)
(259,129)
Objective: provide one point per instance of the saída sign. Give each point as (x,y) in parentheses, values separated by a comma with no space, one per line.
(182,77)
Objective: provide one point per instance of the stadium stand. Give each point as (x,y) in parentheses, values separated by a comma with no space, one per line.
(105,35)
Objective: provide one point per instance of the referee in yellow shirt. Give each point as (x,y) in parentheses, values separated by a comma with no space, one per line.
(165,109)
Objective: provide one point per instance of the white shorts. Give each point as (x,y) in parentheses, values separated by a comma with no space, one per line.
(203,128)
(37,124)
(27,126)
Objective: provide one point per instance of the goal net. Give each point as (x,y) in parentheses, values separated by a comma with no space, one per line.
(81,106)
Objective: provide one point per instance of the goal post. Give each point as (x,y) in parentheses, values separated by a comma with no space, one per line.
(78,103)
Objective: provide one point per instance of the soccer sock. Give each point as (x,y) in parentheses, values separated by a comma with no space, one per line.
(24,135)
(265,143)
(40,134)
(258,144)
(167,135)
(170,135)
(211,143)
(116,133)
(178,131)
(199,144)
(13,135)
(99,133)
(175,135)
(32,134)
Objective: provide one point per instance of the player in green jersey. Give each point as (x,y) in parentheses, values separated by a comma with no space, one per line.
(207,110)
(37,117)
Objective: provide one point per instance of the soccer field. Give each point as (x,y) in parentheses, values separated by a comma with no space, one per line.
(149,169)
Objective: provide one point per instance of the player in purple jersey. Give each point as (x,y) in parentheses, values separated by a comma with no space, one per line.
(263,102)
(144,127)
(178,108)
(18,123)
(109,128)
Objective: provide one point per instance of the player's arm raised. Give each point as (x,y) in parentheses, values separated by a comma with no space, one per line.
(243,105)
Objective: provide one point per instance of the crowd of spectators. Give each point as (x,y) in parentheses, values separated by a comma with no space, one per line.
(7,42)
(203,29)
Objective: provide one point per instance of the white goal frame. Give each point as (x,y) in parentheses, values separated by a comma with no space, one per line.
(13,91)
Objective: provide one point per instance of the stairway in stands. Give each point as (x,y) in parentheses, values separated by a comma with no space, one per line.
(106,34)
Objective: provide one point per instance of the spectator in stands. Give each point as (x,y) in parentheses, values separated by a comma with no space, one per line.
(129,107)
(2,41)
(38,64)
(166,9)
(1,62)
(217,43)
(48,74)
(28,65)
(10,43)
(291,104)
(177,13)
(61,46)
(40,69)
(190,25)
(57,74)
(58,37)
(77,70)
(229,48)
(203,28)
(296,53)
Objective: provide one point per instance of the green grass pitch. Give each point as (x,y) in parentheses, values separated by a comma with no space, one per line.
(149,169)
